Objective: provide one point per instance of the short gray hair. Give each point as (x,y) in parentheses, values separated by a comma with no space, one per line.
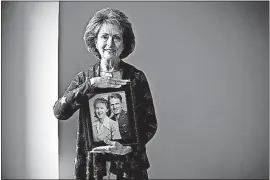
(109,16)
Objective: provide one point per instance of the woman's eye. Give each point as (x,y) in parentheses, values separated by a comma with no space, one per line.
(104,37)
(117,38)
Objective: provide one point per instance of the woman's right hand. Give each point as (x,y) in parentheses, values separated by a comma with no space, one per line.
(107,82)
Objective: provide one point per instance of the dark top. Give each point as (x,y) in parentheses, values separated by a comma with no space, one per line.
(124,127)
(74,98)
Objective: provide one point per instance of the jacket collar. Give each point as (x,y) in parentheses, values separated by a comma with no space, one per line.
(114,117)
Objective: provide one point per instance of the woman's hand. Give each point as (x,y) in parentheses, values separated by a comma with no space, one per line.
(107,82)
(112,148)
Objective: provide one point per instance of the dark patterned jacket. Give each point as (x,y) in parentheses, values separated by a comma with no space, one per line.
(76,98)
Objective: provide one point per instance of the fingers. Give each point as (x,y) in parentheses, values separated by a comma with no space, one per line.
(127,149)
(105,74)
(114,147)
(109,142)
(101,149)
(116,83)
(105,80)
(109,82)
(113,86)
(124,150)
(97,152)
(118,150)
(107,85)
(108,75)
(119,81)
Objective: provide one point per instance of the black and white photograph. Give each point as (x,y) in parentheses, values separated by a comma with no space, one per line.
(110,118)
(135,90)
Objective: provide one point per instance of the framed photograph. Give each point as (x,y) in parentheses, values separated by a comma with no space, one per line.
(112,117)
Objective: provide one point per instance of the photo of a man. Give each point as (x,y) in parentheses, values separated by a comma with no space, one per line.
(119,114)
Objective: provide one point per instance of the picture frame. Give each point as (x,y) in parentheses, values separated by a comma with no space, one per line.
(112,116)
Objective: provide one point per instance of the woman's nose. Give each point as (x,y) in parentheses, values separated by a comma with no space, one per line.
(110,42)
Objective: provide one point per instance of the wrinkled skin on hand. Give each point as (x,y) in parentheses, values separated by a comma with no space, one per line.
(113,147)
(108,82)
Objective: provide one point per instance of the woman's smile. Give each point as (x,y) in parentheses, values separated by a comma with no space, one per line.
(100,110)
(110,50)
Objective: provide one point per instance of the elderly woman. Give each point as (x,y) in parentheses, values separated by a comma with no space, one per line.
(109,36)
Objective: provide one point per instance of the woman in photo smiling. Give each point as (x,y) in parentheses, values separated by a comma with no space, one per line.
(109,36)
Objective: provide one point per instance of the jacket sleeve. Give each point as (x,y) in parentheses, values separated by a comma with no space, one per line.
(145,113)
(76,93)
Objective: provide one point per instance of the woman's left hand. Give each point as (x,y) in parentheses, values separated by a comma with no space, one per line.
(112,148)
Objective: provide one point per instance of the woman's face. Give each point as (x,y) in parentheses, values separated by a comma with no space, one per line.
(101,110)
(109,42)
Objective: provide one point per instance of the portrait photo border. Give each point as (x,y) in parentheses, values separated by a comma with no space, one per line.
(130,103)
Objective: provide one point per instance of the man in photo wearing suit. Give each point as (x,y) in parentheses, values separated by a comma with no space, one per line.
(119,115)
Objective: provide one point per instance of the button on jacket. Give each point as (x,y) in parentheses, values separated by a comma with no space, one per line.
(76,98)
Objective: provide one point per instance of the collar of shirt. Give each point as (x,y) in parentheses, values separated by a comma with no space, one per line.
(106,122)
(97,68)
(117,116)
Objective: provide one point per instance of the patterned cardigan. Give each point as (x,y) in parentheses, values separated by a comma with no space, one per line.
(75,97)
